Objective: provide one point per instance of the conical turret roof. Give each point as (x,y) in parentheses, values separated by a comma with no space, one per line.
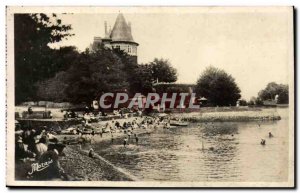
(121,31)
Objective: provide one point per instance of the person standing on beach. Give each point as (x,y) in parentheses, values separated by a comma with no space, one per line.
(117,124)
(129,135)
(124,125)
(125,142)
(136,139)
(112,139)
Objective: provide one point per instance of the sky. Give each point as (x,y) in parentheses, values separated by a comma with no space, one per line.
(253,46)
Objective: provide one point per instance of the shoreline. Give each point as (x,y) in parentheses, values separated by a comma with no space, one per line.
(218,114)
(230,116)
(80,167)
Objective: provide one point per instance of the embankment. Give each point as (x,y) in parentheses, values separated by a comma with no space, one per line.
(230,116)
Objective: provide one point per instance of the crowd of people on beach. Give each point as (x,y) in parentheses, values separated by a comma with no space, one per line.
(127,129)
(38,149)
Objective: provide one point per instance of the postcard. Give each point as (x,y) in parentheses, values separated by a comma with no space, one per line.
(150,97)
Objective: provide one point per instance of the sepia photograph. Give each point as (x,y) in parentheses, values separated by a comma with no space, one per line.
(150,97)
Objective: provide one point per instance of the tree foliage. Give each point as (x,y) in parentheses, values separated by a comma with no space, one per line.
(53,89)
(141,79)
(163,71)
(145,75)
(243,102)
(94,73)
(218,87)
(272,90)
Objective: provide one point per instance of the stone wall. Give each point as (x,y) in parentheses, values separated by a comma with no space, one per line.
(47,104)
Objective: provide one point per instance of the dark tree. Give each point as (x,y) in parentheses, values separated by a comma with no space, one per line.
(53,89)
(94,73)
(251,102)
(272,90)
(80,86)
(141,79)
(218,87)
(163,71)
(283,96)
(144,75)
(243,102)
(258,101)
(34,59)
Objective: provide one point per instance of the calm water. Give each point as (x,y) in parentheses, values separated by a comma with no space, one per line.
(207,152)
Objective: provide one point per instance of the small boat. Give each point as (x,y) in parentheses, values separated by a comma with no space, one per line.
(179,123)
(169,127)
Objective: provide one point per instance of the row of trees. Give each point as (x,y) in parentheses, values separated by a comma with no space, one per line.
(64,74)
(97,71)
(221,90)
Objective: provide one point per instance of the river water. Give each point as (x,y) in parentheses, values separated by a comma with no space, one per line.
(207,152)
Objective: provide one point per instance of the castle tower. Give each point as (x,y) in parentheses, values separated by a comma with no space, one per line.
(121,37)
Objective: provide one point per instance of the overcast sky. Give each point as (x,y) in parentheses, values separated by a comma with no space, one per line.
(251,46)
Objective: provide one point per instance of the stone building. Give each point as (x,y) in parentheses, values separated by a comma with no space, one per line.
(119,37)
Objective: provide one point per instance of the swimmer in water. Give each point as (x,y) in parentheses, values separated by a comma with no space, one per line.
(271,135)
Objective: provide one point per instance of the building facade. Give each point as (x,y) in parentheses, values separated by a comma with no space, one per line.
(119,37)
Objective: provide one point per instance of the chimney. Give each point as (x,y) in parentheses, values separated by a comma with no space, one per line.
(129,25)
